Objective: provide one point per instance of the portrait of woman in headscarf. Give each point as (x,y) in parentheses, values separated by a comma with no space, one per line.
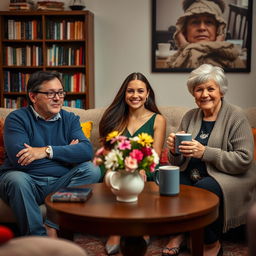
(200,37)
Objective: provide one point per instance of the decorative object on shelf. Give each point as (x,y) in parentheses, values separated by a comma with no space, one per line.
(77,5)
(50,5)
(125,159)
(21,5)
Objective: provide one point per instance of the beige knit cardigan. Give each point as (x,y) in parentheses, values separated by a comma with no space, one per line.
(229,159)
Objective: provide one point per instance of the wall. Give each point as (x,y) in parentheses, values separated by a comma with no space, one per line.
(123,45)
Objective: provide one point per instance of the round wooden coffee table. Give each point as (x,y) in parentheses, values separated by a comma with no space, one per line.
(152,214)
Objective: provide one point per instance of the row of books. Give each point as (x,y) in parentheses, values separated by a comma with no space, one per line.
(74,82)
(69,30)
(22,102)
(15,103)
(32,56)
(23,56)
(78,103)
(17,81)
(65,56)
(23,30)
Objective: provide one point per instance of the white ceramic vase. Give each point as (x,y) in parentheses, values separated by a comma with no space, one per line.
(125,185)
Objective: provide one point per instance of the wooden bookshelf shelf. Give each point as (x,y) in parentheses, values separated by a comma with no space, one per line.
(47,40)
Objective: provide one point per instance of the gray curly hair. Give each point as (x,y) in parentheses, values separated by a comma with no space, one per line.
(207,72)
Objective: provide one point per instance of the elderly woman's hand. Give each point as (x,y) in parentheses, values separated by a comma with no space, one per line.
(181,40)
(192,149)
(171,142)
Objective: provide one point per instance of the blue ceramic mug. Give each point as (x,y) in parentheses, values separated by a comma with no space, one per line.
(179,137)
(167,177)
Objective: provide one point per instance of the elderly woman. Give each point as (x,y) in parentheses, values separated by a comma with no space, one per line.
(219,158)
(200,35)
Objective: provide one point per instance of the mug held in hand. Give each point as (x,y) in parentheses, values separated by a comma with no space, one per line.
(179,137)
(168,179)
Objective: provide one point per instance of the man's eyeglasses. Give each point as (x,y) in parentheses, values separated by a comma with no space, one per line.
(51,95)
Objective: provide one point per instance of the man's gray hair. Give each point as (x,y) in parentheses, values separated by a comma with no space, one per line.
(207,72)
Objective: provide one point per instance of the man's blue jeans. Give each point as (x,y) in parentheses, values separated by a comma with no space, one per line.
(24,193)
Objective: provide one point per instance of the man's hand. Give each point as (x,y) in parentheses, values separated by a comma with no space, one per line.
(74,142)
(29,154)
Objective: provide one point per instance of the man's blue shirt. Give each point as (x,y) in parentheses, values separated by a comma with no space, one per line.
(22,126)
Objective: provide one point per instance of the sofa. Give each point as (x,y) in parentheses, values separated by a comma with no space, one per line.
(173,115)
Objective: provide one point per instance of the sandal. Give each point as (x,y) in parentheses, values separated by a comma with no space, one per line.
(171,251)
(176,247)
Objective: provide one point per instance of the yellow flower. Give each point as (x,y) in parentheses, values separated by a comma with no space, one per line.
(145,139)
(112,135)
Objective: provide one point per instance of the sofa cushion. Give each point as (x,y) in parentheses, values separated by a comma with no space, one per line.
(87,127)
(5,234)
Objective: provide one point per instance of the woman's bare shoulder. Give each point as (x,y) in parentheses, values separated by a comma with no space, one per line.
(160,118)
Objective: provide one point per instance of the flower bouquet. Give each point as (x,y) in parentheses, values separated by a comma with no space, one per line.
(129,154)
(125,159)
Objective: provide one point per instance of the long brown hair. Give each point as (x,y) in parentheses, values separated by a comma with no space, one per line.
(115,117)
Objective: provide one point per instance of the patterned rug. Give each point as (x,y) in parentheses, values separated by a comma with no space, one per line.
(94,246)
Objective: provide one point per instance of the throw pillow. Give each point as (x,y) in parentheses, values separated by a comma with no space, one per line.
(254,135)
(5,234)
(1,141)
(87,128)
(164,157)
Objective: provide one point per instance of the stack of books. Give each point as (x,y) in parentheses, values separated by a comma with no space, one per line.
(50,6)
(18,5)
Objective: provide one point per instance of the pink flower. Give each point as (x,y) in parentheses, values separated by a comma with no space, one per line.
(152,167)
(121,138)
(130,164)
(118,138)
(125,144)
(136,154)
(147,151)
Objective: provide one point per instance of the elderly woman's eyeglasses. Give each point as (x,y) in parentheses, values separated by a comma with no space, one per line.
(51,95)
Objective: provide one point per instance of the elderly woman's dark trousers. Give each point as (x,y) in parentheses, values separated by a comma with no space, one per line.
(251,230)
(212,232)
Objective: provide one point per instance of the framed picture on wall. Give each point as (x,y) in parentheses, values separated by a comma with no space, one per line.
(187,33)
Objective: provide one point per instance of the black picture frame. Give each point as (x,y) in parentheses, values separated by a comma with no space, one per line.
(160,34)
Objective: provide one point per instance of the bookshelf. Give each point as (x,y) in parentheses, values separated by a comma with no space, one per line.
(47,40)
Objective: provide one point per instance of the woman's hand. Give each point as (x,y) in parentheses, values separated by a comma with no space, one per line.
(192,149)
(181,40)
(143,175)
(171,142)
(220,38)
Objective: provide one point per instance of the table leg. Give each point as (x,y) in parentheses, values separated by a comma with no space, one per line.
(197,243)
(131,246)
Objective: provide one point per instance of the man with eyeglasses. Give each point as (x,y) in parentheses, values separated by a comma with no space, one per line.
(45,151)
